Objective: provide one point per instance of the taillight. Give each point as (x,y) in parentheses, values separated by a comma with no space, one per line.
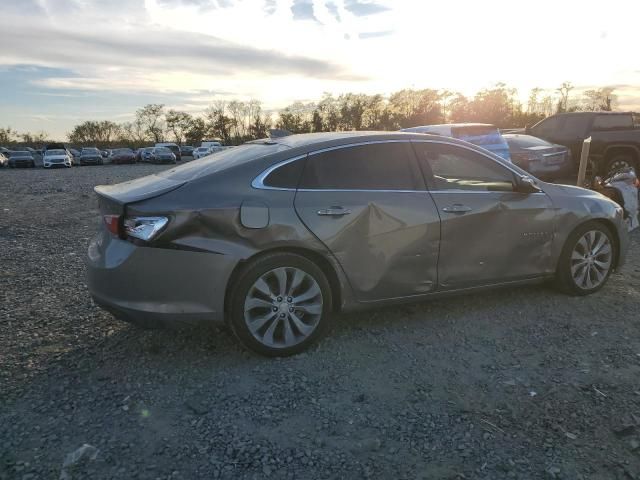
(113,224)
(144,228)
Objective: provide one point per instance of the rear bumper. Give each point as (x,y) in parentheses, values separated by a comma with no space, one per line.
(154,286)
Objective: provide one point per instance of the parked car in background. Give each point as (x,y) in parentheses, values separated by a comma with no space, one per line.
(482,134)
(56,158)
(212,145)
(162,155)
(542,159)
(5,151)
(4,160)
(21,159)
(274,236)
(175,149)
(91,156)
(201,152)
(75,155)
(146,154)
(615,137)
(186,150)
(122,155)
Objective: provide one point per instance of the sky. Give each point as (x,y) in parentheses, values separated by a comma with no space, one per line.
(66,61)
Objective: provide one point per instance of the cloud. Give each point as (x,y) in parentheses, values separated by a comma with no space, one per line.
(204,4)
(367,35)
(363,8)
(270,7)
(303,10)
(156,52)
(333,10)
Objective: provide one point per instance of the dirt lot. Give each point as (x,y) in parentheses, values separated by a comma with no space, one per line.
(520,383)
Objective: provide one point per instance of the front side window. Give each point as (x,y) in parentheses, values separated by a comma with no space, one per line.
(375,166)
(450,167)
(546,127)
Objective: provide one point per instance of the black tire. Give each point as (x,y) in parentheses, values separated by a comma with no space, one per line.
(235,317)
(618,161)
(564,278)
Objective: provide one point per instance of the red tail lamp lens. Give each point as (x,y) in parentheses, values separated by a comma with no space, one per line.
(113,223)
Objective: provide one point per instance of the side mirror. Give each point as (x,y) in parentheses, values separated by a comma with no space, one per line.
(526,185)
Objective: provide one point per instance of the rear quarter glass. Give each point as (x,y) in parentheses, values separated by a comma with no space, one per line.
(221,161)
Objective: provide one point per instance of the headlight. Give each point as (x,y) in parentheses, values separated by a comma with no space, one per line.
(144,228)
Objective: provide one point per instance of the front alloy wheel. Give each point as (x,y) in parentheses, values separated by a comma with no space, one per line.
(280,305)
(587,260)
(591,260)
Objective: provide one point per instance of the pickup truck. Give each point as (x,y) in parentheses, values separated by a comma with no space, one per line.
(615,137)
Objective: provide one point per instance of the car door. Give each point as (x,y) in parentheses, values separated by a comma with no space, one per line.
(368,204)
(490,233)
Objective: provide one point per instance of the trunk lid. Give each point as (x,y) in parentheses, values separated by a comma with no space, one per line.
(113,198)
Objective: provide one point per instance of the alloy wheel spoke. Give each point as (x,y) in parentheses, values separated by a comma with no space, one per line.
(312,292)
(268,334)
(281,276)
(298,278)
(311,308)
(303,328)
(260,322)
(263,288)
(601,239)
(255,302)
(289,337)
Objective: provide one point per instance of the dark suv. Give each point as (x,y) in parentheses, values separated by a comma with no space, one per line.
(615,137)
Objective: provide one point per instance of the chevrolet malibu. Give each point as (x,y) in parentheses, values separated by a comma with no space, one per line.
(276,235)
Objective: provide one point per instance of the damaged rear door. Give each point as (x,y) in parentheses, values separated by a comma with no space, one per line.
(368,204)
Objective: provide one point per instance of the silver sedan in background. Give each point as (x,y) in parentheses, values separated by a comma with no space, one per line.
(276,235)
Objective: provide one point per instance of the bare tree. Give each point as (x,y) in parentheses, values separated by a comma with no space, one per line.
(179,123)
(151,118)
(564,90)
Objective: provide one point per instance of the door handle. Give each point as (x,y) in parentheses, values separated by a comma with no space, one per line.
(334,211)
(456,208)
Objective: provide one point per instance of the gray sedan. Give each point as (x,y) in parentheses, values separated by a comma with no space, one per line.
(276,235)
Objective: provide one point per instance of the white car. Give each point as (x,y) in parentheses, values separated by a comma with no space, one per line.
(56,158)
(201,152)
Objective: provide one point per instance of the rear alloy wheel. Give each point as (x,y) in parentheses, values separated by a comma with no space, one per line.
(587,260)
(280,305)
(620,161)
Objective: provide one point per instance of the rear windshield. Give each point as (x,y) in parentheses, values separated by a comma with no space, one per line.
(526,141)
(222,160)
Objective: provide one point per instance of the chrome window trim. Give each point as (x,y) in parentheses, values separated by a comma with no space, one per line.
(258,182)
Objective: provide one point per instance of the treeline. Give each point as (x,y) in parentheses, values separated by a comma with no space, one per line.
(234,122)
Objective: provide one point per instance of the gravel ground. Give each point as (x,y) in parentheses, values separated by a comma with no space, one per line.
(519,383)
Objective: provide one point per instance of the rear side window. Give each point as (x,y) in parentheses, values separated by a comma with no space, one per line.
(376,166)
(285,176)
(610,122)
(450,167)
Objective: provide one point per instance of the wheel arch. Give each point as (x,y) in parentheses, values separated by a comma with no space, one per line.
(615,149)
(316,257)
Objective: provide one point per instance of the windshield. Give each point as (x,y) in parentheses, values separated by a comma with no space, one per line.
(162,150)
(55,152)
(222,160)
(90,151)
(20,154)
(122,151)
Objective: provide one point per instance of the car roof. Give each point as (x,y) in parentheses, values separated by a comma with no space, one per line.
(306,140)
